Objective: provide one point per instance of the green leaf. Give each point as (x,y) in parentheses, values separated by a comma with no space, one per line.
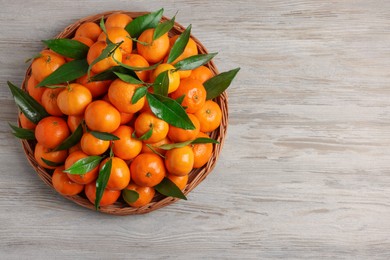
(22,133)
(84,165)
(109,74)
(128,78)
(106,52)
(169,110)
(204,140)
(153,149)
(55,86)
(163,28)
(152,67)
(218,84)
(101,182)
(179,45)
(103,27)
(139,93)
(141,23)
(195,61)
(130,196)
(161,83)
(67,72)
(180,99)
(104,136)
(168,188)
(28,105)
(52,164)
(145,136)
(68,48)
(176,145)
(72,140)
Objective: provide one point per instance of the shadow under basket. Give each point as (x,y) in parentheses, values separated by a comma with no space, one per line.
(196,176)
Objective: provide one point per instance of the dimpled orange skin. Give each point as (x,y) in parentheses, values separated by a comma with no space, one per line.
(210,116)
(147,170)
(146,195)
(146,149)
(109,196)
(74,121)
(97,88)
(36,93)
(86,178)
(74,99)
(195,94)
(102,116)
(89,30)
(117,35)
(179,181)
(202,74)
(51,131)
(147,120)
(126,147)
(178,135)
(94,52)
(119,175)
(49,101)
(155,50)
(92,145)
(120,94)
(117,20)
(202,152)
(126,118)
(63,184)
(25,122)
(179,161)
(174,77)
(136,60)
(44,65)
(47,154)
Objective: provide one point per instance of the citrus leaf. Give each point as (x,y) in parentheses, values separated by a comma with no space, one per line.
(128,78)
(169,110)
(109,74)
(180,99)
(179,45)
(68,48)
(176,145)
(130,196)
(141,23)
(161,83)
(104,136)
(168,188)
(204,140)
(218,84)
(28,105)
(138,94)
(103,27)
(163,28)
(195,61)
(101,182)
(22,133)
(105,53)
(152,67)
(84,165)
(153,149)
(55,86)
(145,136)
(200,140)
(67,72)
(72,140)
(52,164)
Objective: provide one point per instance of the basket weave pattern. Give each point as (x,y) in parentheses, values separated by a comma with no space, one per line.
(195,177)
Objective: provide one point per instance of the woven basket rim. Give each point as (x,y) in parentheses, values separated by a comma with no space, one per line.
(196,176)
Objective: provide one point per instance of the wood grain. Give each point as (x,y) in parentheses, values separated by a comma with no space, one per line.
(305,171)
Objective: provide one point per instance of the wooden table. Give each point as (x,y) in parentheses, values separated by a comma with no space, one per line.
(305,171)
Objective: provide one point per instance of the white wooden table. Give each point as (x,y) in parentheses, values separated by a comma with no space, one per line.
(305,171)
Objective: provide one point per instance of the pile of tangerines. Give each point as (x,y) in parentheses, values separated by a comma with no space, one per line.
(115,135)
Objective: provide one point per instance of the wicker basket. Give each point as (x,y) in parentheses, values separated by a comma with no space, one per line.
(195,177)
